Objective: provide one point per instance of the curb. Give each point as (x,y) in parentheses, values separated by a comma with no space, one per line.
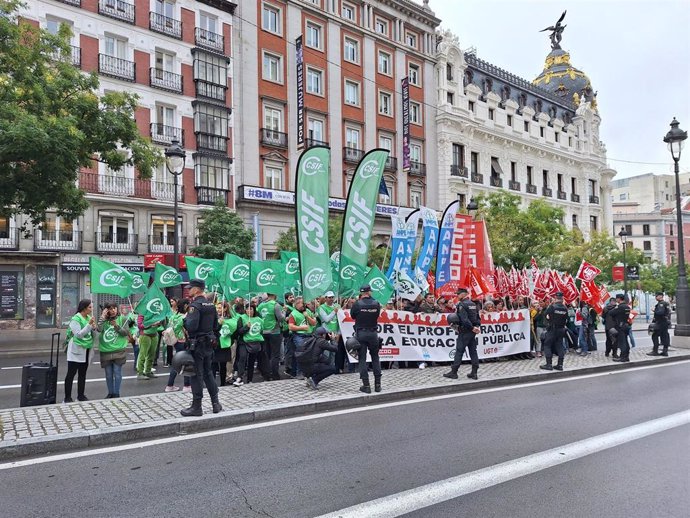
(181,426)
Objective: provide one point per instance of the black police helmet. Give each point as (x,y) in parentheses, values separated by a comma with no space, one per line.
(453,319)
(183,363)
(352,346)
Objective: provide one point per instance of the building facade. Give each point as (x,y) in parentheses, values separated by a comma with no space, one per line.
(355,56)
(177,57)
(647,193)
(538,139)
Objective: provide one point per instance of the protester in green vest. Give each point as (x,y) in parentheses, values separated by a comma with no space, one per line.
(112,345)
(301,324)
(288,344)
(328,316)
(273,317)
(228,340)
(148,344)
(249,346)
(223,355)
(79,343)
(176,322)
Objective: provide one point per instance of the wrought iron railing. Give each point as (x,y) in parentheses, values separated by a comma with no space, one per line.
(275,138)
(165,80)
(117,9)
(165,25)
(209,40)
(116,67)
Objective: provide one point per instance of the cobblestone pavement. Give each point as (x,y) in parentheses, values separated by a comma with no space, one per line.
(54,421)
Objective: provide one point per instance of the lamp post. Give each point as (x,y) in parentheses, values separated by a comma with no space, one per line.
(174,161)
(472,206)
(623,234)
(675,139)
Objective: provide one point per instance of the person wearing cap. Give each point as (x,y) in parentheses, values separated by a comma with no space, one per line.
(328,316)
(301,324)
(621,316)
(660,324)
(469,327)
(202,328)
(273,316)
(366,313)
(556,319)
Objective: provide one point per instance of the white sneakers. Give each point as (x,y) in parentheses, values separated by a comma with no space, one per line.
(173,388)
(422,365)
(238,382)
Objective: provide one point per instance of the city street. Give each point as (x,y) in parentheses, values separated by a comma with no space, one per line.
(613,444)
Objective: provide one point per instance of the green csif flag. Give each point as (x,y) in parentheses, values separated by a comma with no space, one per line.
(381,288)
(350,277)
(208,270)
(140,282)
(266,277)
(235,278)
(154,306)
(166,276)
(292,283)
(311,221)
(109,278)
(360,209)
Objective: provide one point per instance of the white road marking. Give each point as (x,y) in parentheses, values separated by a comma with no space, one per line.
(431,494)
(90,380)
(311,417)
(11,368)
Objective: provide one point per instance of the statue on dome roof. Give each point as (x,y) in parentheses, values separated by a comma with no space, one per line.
(556,32)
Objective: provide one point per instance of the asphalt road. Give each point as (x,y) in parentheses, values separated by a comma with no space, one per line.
(11,376)
(313,466)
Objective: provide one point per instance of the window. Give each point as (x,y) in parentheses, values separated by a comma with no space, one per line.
(208,23)
(351,50)
(629,229)
(211,120)
(415,199)
(474,162)
(315,128)
(273,118)
(270,20)
(557,136)
(313,35)
(385,104)
(213,172)
(526,125)
(165,8)
(385,63)
(411,39)
(211,69)
(458,155)
(386,142)
(470,106)
(314,81)
(348,12)
(5,227)
(55,228)
(529,175)
(545,177)
(541,131)
(647,246)
(623,196)
(449,72)
(352,138)
(491,113)
(513,171)
(575,221)
(593,223)
(509,121)
(115,228)
(273,68)
(670,228)
(415,113)
(415,153)
(573,185)
(592,187)
(450,98)
(645,230)
(559,182)
(570,141)
(165,116)
(381,26)
(165,61)
(414,75)
(351,93)
(273,177)
(163,230)
(115,47)
(672,245)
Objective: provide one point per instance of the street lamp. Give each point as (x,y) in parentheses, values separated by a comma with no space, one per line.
(623,234)
(174,161)
(472,205)
(675,139)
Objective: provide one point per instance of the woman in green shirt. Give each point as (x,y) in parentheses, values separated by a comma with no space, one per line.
(250,327)
(80,342)
(112,344)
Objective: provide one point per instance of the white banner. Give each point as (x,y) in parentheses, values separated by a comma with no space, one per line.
(428,337)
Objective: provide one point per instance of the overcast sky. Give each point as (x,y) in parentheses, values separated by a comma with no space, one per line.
(635,52)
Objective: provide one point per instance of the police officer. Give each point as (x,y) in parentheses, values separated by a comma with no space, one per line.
(469,327)
(366,313)
(621,317)
(556,318)
(201,324)
(662,322)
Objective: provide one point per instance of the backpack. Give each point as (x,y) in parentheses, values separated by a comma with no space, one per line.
(305,353)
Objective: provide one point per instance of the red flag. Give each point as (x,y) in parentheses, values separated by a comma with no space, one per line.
(477,283)
(587,272)
(431,279)
(449,290)
(590,293)
(534,267)
(570,292)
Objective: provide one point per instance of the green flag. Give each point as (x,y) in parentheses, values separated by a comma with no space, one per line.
(381,288)
(350,277)
(311,203)
(266,277)
(208,270)
(140,282)
(360,209)
(292,282)
(166,276)
(235,280)
(109,278)
(154,306)
(335,275)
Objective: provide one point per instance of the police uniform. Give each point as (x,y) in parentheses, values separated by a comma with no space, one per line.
(662,322)
(366,313)
(202,325)
(621,317)
(468,317)
(556,317)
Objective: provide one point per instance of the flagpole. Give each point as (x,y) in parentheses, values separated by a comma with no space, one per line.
(385,253)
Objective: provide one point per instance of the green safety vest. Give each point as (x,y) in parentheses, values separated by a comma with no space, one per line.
(256,326)
(332,326)
(300,320)
(267,311)
(110,340)
(288,311)
(227,329)
(87,341)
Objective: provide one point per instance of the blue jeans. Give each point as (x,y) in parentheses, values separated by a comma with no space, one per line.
(297,341)
(113,378)
(631,337)
(179,346)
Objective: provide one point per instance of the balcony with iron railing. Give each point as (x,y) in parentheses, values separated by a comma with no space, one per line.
(113,185)
(477,178)
(310,142)
(209,195)
(352,154)
(117,9)
(460,171)
(55,241)
(575,197)
(496,181)
(546,191)
(209,40)
(513,185)
(210,90)
(562,195)
(164,80)
(76,3)
(9,239)
(594,199)
(116,67)
(274,138)
(391,164)
(531,189)
(210,142)
(165,25)
(417,168)
(73,56)
(114,243)
(162,134)
(163,244)
(166,191)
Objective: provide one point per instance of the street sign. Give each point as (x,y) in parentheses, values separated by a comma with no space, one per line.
(618,273)
(633,273)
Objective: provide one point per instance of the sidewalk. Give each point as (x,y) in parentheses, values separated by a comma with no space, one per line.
(56,428)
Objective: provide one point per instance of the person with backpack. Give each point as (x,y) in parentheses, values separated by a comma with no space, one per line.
(312,358)
(301,324)
(79,343)
(249,346)
(112,345)
(179,307)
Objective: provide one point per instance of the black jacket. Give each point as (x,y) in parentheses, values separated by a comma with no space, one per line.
(609,321)
(366,313)
(662,314)
(468,313)
(620,315)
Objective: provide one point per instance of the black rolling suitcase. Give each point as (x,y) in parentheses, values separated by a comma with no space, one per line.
(39,379)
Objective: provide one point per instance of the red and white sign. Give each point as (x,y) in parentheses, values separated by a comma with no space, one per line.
(587,272)
(470,247)
(618,273)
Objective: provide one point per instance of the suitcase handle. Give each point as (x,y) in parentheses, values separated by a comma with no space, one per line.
(55,338)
